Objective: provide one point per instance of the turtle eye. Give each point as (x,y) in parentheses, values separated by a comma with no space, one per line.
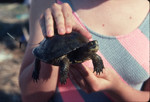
(94,42)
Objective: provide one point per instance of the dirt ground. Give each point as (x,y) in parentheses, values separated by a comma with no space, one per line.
(13,18)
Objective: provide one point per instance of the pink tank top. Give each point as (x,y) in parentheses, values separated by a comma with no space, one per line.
(129,57)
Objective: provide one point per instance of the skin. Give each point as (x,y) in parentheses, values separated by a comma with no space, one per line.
(42,20)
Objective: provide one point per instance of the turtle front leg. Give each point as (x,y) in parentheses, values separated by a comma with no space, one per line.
(64,69)
(36,71)
(98,63)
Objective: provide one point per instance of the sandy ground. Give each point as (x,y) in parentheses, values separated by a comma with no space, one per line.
(13,17)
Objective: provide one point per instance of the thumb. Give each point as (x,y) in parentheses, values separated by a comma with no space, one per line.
(82,30)
(85,71)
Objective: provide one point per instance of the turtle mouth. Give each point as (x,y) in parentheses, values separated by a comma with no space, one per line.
(93,46)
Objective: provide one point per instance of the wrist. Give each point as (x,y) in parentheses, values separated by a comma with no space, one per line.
(128,94)
(117,87)
(118,91)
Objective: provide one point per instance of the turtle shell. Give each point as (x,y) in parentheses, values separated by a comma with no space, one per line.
(54,47)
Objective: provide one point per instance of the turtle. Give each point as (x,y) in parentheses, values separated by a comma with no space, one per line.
(64,50)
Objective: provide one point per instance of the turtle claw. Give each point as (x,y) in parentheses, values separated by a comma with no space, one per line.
(98,70)
(35,80)
(63,81)
(35,77)
(36,71)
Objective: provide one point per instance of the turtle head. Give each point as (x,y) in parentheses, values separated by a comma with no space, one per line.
(93,46)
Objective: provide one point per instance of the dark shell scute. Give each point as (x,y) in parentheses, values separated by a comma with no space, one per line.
(59,45)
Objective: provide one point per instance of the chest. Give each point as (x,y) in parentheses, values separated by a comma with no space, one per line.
(127,56)
(113,21)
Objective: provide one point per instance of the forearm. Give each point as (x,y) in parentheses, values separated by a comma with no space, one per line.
(128,94)
(45,87)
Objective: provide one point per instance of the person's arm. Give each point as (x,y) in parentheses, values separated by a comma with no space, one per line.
(128,94)
(43,12)
(46,86)
(108,82)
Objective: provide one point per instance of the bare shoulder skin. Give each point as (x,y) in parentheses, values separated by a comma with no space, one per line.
(112,17)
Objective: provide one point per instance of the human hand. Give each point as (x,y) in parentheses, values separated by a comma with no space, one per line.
(92,82)
(61,16)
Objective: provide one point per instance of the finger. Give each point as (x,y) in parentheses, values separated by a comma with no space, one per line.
(81,30)
(84,70)
(42,24)
(102,74)
(96,82)
(79,80)
(49,23)
(59,18)
(87,73)
(67,12)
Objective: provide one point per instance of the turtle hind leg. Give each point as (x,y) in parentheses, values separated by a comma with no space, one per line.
(98,63)
(36,71)
(64,69)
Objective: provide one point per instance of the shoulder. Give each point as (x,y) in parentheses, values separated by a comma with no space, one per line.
(37,9)
(41,4)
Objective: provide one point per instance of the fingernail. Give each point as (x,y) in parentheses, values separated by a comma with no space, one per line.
(49,33)
(61,31)
(68,29)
